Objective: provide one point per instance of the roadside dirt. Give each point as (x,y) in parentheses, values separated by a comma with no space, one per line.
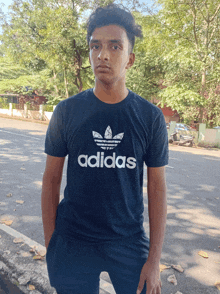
(196,150)
(25,119)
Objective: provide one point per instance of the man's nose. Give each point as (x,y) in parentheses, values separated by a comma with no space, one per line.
(103,54)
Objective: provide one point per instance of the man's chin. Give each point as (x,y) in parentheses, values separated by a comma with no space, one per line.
(105,80)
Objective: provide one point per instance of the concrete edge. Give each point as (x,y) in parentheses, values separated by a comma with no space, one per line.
(24,119)
(16,234)
(40,283)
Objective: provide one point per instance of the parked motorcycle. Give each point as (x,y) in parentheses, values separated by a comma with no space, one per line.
(181,140)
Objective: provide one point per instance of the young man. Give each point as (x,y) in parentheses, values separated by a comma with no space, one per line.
(108,133)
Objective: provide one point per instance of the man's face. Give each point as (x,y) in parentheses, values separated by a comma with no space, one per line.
(110,55)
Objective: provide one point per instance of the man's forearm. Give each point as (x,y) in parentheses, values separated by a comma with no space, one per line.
(49,203)
(157,208)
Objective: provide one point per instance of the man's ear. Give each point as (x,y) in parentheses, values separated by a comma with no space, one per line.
(131,60)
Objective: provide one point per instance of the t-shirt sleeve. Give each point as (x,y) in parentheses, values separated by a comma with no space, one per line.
(55,143)
(157,152)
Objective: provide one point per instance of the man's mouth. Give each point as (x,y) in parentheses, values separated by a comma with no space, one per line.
(103,66)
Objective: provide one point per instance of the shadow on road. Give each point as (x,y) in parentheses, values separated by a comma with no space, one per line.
(22,166)
(193,224)
(7,287)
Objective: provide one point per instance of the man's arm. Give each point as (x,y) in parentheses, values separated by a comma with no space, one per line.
(51,194)
(157,207)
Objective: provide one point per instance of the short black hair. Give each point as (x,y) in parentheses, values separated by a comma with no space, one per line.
(113,14)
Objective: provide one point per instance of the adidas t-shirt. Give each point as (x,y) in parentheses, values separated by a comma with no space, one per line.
(107,145)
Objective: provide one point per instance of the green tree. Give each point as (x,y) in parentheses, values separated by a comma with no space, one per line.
(192,62)
(48,38)
(147,73)
(14,78)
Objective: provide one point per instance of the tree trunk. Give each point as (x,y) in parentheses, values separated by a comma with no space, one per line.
(203,84)
(55,86)
(79,81)
(66,84)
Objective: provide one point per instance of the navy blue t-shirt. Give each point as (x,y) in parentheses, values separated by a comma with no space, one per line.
(107,145)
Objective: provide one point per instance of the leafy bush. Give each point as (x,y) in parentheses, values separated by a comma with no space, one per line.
(54,100)
(4,105)
(48,107)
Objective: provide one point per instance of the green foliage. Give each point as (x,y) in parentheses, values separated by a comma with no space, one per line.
(14,78)
(181,98)
(50,35)
(48,107)
(212,110)
(46,35)
(146,74)
(143,77)
(54,100)
(188,32)
(177,61)
(3,104)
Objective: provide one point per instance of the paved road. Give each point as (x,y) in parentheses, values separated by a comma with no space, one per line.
(193,203)
(7,287)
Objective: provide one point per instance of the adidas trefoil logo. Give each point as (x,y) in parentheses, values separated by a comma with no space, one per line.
(107,143)
(102,160)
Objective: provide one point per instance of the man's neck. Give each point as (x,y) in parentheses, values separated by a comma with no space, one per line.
(111,94)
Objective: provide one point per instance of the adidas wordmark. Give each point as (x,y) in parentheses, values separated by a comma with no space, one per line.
(99,160)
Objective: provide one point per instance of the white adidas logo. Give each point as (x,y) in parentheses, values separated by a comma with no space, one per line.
(108,142)
(111,161)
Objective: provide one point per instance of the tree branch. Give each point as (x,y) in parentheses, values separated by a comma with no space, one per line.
(194,28)
(215,13)
(212,33)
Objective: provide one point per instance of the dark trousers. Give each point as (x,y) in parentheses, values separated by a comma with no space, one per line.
(74,266)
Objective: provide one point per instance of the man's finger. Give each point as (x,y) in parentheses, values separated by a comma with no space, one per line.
(159,288)
(154,290)
(149,290)
(140,285)
(158,291)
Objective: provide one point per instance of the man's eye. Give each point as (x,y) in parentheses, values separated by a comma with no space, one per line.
(115,47)
(95,47)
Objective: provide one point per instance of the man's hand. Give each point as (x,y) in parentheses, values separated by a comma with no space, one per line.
(150,274)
